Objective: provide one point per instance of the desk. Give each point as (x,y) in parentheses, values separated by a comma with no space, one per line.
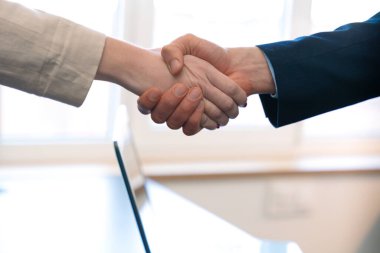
(76,211)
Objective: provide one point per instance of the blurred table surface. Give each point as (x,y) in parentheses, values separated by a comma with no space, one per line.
(83,210)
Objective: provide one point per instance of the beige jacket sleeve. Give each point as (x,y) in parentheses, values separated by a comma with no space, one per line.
(47,55)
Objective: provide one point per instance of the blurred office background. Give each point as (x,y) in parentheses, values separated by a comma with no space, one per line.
(316,182)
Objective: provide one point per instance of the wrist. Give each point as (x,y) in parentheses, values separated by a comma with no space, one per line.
(108,69)
(133,68)
(251,64)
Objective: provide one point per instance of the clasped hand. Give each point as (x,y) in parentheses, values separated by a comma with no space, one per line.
(239,69)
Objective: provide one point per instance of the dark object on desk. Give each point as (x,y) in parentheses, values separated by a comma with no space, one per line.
(143,242)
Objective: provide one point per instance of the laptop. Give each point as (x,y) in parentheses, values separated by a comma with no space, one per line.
(172,223)
(76,210)
(177,225)
(86,209)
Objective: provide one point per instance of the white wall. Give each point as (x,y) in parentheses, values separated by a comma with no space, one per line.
(321,212)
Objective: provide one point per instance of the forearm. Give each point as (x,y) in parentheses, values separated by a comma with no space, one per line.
(133,68)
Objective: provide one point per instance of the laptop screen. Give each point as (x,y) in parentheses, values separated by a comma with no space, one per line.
(136,241)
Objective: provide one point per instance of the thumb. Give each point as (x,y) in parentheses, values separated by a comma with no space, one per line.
(148,100)
(173,56)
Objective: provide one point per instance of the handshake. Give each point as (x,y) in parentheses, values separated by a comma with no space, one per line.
(193,84)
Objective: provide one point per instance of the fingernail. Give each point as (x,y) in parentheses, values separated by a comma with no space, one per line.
(195,94)
(153,97)
(180,91)
(143,110)
(217,126)
(174,65)
(245,105)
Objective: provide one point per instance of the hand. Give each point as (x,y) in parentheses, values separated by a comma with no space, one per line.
(137,69)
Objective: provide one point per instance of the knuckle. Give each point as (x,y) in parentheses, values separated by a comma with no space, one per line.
(174,123)
(165,50)
(230,107)
(171,103)
(158,118)
(223,121)
(209,124)
(193,123)
(233,89)
(242,99)
(188,36)
(217,115)
(204,120)
(190,130)
(234,114)
(237,93)
(143,110)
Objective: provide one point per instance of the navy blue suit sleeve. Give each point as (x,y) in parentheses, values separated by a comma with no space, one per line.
(323,72)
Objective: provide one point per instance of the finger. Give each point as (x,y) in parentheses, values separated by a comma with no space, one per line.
(208,123)
(222,104)
(186,108)
(193,124)
(215,114)
(228,87)
(148,100)
(169,102)
(173,56)
(212,83)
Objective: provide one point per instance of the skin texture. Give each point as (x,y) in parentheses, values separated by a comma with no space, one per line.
(246,66)
(137,70)
(188,115)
